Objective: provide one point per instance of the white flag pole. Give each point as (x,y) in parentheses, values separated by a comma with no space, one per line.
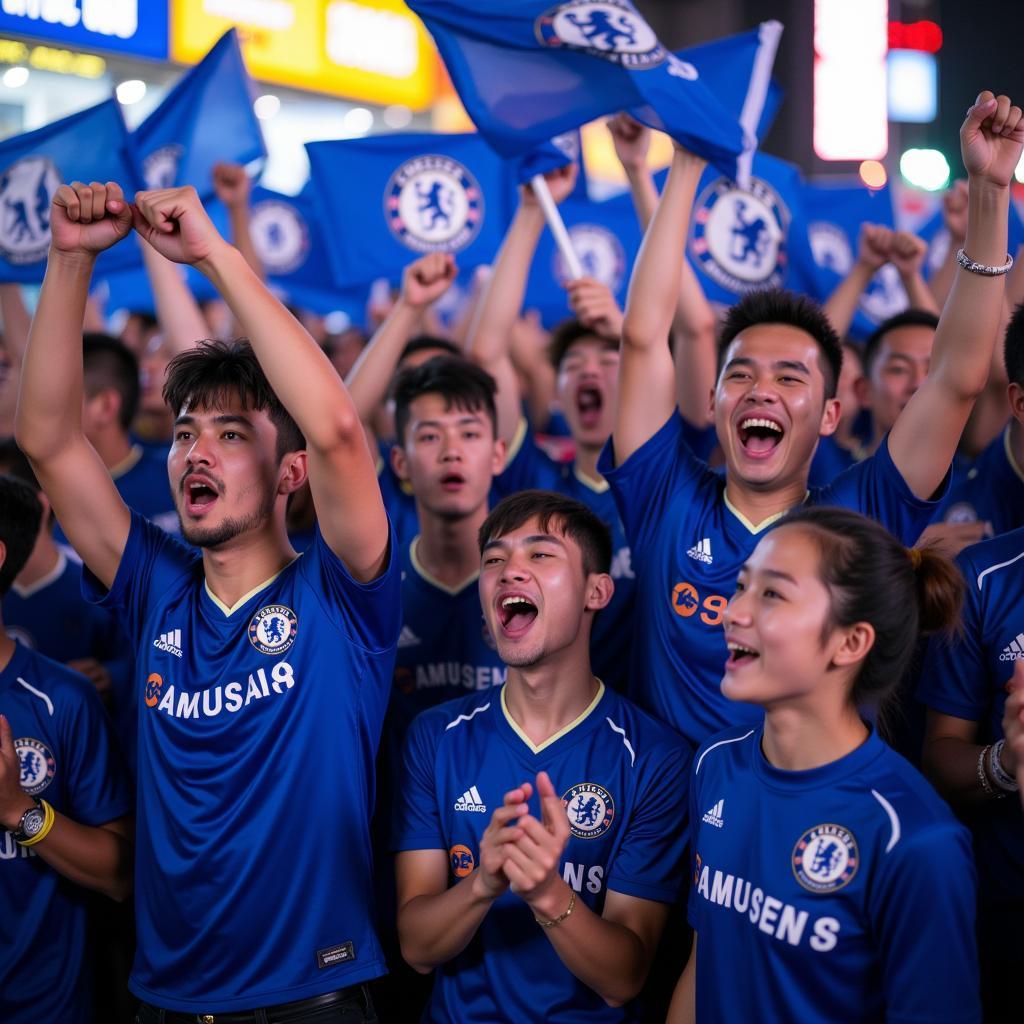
(557,225)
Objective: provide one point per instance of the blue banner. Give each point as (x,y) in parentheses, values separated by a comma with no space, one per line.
(573,61)
(138,27)
(88,146)
(934,232)
(206,118)
(387,199)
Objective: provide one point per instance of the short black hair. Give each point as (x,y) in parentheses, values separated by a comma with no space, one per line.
(776,306)
(213,373)
(1013,347)
(20,515)
(554,512)
(565,334)
(460,383)
(14,462)
(109,363)
(908,318)
(425,342)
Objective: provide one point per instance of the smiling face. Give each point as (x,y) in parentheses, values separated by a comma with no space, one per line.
(536,597)
(588,383)
(225,474)
(770,406)
(449,457)
(781,647)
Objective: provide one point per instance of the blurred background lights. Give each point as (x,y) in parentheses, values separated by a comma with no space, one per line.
(397,116)
(15,78)
(925,168)
(266,106)
(873,174)
(131,91)
(357,121)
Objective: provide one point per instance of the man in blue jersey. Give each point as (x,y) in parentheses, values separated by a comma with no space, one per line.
(689,529)
(261,678)
(964,685)
(64,807)
(541,828)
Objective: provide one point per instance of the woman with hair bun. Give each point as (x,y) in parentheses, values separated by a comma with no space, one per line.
(830,882)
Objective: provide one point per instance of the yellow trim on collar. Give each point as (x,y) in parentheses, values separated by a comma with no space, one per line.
(433,580)
(228,612)
(758,527)
(561,732)
(512,449)
(597,486)
(130,461)
(1009,455)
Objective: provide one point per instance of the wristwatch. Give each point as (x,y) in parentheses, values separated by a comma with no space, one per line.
(31,823)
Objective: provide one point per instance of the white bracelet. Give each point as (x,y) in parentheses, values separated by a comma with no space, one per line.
(1006,782)
(984,269)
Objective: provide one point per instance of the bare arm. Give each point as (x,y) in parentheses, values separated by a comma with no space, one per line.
(180,318)
(342,474)
(908,255)
(16,320)
(84,221)
(949,758)
(233,189)
(1013,723)
(873,249)
(684,1000)
(954,215)
(529,341)
(647,391)
(926,434)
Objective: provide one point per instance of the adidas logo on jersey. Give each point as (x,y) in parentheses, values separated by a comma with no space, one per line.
(169,642)
(714,816)
(1014,650)
(471,800)
(701,551)
(407,638)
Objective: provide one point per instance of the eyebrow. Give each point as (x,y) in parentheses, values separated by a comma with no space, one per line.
(461,421)
(779,364)
(221,420)
(534,538)
(775,573)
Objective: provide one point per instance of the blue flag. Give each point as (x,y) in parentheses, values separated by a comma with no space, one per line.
(206,118)
(934,232)
(527,70)
(89,146)
(742,240)
(835,212)
(387,199)
(606,237)
(562,150)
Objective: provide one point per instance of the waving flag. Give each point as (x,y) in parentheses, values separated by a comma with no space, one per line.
(206,118)
(89,146)
(527,70)
(387,199)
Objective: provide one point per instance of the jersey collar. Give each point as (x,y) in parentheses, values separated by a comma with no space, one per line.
(814,778)
(433,580)
(588,713)
(765,523)
(129,462)
(44,581)
(1009,455)
(245,598)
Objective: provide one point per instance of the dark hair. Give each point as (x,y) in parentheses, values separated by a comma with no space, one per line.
(20,515)
(459,382)
(213,373)
(109,363)
(908,318)
(775,306)
(425,342)
(1013,347)
(14,462)
(555,512)
(567,333)
(873,578)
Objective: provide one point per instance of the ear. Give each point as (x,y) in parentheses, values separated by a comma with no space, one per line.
(294,472)
(830,417)
(711,405)
(854,642)
(600,588)
(1015,393)
(106,406)
(400,463)
(498,456)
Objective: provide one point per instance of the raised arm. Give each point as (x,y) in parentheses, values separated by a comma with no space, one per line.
(84,220)
(907,255)
(954,216)
(647,392)
(233,189)
(874,247)
(926,434)
(342,476)
(180,318)
(490,337)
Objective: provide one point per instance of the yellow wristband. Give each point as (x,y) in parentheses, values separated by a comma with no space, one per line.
(48,820)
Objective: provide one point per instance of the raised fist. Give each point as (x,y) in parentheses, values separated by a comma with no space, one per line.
(231,184)
(631,139)
(174,222)
(991,139)
(875,246)
(908,253)
(428,278)
(595,307)
(561,181)
(86,219)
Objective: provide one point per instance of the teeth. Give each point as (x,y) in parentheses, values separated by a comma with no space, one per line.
(510,601)
(759,422)
(740,649)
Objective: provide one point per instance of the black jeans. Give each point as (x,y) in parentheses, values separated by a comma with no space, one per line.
(347,1006)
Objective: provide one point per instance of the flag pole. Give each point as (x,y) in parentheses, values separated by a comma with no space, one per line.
(557,225)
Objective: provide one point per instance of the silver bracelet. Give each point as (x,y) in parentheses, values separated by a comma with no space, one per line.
(983,775)
(1000,776)
(984,269)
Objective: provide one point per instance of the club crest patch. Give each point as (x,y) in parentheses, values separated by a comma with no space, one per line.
(432,203)
(825,858)
(601,255)
(27,188)
(611,29)
(280,236)
(160,168)
(37,764)
(590,810)
(273,628)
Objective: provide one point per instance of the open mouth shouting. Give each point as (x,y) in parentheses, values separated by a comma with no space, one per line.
(589,405)
(516,614)
(739,655)
(759,435)
(200,493)
(453,481)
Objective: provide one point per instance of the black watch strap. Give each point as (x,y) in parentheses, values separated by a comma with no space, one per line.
(19,833)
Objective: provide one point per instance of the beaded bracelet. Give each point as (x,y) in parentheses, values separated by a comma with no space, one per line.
(561,917)
(1006,782)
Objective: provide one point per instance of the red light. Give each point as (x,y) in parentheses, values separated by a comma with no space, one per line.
(915,35)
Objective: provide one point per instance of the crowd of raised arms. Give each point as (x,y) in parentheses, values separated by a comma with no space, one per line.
(354,702)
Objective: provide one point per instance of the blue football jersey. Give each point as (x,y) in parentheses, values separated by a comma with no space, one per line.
(258,728)
(688,545)
(66,752)
(966,678)
(991,491)
(623,780)
(397,495)
(611,641)
(836,895)
(830,459)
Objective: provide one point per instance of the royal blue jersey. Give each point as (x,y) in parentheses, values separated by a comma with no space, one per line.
(830,459)
(991,491)
(612,637)
(258,728)
(66,753)
(966,678)
(623,780)
(836,895)
(397,495)
(688,545)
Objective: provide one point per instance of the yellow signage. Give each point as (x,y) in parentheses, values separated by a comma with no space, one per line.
(50,58)
(374,50)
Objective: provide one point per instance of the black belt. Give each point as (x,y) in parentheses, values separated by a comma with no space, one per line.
(280,1014)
